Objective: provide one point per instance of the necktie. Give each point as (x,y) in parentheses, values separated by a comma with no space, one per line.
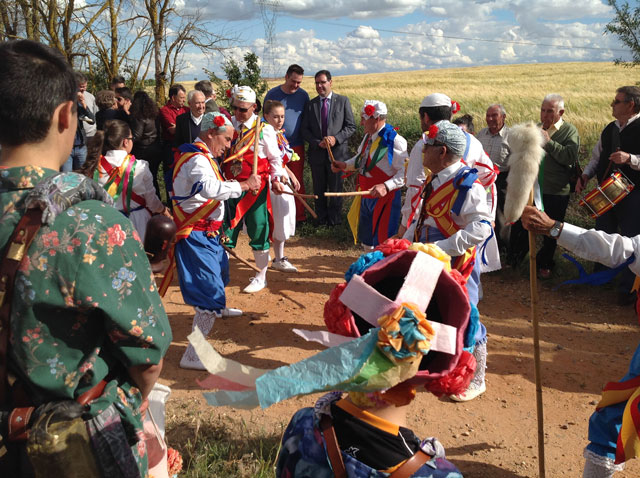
(365,153)
(426,192)
(323,115)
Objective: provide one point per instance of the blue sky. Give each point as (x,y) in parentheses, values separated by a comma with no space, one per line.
(369,36)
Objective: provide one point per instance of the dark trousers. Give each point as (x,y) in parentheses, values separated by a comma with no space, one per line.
(556,207)
(624,219)
(501,190)
(329,210)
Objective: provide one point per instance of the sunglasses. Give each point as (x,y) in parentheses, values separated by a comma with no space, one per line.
(242,110)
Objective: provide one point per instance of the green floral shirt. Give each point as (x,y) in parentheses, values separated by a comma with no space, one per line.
(85,303)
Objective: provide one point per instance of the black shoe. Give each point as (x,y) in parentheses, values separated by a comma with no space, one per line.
(626,298)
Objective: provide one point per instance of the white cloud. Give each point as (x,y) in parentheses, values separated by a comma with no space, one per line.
(364,32)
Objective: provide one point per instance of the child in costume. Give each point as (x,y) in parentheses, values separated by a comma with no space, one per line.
(127,179)
(399,352)
(282,205)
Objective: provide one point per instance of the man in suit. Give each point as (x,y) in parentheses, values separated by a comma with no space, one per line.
(206,88)
(327,119)
(188,124)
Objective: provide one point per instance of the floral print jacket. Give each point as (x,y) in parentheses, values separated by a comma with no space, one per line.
(85,303)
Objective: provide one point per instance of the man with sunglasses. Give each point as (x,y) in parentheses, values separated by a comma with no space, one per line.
(453,213)
(618,149)
(253,207)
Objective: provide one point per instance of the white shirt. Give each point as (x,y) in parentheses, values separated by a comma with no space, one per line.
(634,160)
(472,231)
(198,169)
(142,182)
(608,249)
(267,146)
(395,169)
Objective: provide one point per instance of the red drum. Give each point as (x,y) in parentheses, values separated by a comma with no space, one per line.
(607,194)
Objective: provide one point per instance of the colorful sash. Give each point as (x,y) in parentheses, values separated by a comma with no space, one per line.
(186,221)
(120,181)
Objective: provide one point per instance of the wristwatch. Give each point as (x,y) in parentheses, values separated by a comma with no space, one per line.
(556,230)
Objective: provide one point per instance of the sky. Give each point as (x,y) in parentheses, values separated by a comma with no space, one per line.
(371,36)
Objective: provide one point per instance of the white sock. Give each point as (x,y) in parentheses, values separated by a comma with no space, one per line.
(262,262)
(204,320)
(367,248)
(278,249)
(596,466)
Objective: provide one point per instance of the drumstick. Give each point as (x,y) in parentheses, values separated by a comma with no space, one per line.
(255,151)
(326,142)
(349,193)
(298,195)
(246,263)
(304,203)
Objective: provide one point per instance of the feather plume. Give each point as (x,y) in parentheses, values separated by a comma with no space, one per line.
(525,142)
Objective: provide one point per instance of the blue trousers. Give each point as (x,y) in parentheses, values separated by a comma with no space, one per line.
(76,159)
(367,230)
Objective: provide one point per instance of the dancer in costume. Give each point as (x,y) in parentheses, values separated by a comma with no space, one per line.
(252,208)
(283,205)
(401,351)
(453,213)
(198,194)
(380,165)
(127,179)
(614,434)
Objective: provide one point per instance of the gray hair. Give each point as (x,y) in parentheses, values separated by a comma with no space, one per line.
(503,112)
(554,98)
(192,93)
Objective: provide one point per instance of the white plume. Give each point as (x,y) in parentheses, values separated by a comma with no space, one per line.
(525,142)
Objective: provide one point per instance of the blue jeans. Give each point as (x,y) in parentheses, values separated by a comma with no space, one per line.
(76,159)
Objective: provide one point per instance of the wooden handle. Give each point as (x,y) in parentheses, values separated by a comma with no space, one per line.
(304,203)
(246,263)
(298,195)
(331,158)
(348,193)
(256,140)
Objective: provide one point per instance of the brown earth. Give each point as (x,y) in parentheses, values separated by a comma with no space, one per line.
(585,342)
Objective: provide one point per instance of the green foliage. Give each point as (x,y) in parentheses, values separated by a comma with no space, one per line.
(237,74)
(626,26)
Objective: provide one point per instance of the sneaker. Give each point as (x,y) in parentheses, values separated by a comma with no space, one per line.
(230,312)
(283,265)
(191,364)
(255,285)
(470,393)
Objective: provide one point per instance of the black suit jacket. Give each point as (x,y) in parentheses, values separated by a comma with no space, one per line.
(340,124)
(183,130)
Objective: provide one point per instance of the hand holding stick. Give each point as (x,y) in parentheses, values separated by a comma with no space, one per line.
(331,158)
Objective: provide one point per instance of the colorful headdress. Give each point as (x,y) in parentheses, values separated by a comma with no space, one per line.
(215,120)
(373,108)
(243,93)
(391,345)
(447,133)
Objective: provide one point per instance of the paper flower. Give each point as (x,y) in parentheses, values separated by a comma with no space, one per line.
(433,131)
(455,107)
(337,317)
(434,251)
(369,110)
(228,93)
(174,462)
(405,334)
(219,121)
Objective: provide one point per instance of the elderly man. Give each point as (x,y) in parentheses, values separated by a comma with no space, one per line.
(561,144)
(206,88)
(252,208)
(618,149)
(495,141)
(202,264)
(327,122)
(380,165)
(613,428)
(453,213)
(188,124)
(295,100)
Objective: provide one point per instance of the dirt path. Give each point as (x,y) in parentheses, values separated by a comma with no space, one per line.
(584,344)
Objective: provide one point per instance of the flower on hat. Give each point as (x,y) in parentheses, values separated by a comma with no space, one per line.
(369,110)
(219,121)
(455,107)
(433,131)
(228,92)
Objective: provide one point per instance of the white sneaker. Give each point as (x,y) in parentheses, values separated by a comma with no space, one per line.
(230,312)
(190,363)
(255,285)
(283,265)
(470,393)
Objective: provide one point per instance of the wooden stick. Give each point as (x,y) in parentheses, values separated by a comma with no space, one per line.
(256,140)
(533,280)
(298,195)
(304,203)
(326,142)
(246,263)
(348,193)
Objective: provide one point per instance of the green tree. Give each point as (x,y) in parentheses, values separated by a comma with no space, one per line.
(237,74)
(626,26)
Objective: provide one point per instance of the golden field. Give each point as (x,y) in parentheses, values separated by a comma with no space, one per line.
(588,89)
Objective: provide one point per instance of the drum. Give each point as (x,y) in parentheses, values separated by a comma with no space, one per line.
(607,194)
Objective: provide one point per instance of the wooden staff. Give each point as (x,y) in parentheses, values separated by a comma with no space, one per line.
(246,263)
(256,140)
(533,283)
(349,193)
(326,142)
(304,203)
